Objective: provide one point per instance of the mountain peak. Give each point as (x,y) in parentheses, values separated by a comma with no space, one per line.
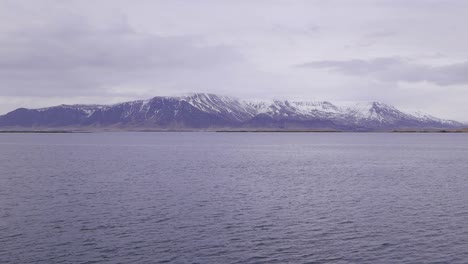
(207,110)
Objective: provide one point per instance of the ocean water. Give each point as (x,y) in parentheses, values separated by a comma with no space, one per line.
(234,198)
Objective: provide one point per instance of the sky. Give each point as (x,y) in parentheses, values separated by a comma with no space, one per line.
(411,54)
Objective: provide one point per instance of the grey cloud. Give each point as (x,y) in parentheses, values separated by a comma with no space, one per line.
(380,34)
(373,38)
(71,56)
(393,69)
(294,30)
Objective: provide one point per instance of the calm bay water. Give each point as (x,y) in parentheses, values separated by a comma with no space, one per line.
(234,198)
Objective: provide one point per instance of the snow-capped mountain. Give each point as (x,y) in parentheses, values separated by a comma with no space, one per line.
(210,111)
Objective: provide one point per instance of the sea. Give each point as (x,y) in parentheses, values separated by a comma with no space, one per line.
(207,197)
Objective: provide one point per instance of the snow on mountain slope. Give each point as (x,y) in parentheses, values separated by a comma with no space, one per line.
(426,117)
(373,111)
(202,110)
(88,109)
(239,110)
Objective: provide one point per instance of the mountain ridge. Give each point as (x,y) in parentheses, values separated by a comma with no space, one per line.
(201,111)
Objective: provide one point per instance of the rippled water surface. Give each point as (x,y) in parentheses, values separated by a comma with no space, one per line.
(233,198)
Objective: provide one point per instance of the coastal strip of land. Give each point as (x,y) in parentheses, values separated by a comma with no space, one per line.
(45,131)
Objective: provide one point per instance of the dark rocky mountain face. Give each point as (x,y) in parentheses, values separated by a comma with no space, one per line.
(209,111)
(51,117)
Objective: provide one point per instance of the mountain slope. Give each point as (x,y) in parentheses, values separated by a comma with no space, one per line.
(208,111)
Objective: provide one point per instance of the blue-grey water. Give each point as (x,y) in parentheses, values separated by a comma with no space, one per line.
(234,198)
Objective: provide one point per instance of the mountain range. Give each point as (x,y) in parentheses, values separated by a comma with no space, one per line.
(203,111)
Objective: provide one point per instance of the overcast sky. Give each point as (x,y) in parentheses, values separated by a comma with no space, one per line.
(412,54)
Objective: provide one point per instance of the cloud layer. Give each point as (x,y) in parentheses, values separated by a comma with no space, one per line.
(397,70)
(70,56)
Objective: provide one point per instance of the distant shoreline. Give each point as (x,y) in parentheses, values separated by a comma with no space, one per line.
(36,131)
(41,131)
(226,131)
